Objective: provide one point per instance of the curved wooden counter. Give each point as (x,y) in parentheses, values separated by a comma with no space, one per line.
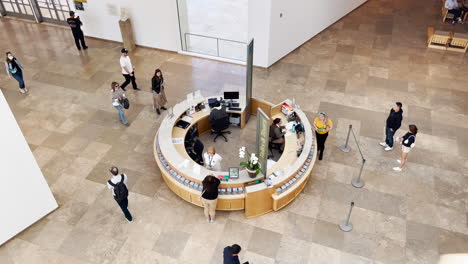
(184,176)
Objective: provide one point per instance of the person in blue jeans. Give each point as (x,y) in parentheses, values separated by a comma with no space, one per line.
(117,95)
(15,69)
(392,125)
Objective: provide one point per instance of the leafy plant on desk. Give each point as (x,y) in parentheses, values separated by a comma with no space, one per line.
(252,160)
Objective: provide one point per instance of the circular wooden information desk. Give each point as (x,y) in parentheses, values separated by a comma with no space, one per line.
(184,176)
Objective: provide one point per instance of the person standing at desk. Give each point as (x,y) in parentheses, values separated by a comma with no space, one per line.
(277,133)
(212,159)
(209,196)
(322,125)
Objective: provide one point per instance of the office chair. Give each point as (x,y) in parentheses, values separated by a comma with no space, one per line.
(272,146)
(219,126)
(195,151)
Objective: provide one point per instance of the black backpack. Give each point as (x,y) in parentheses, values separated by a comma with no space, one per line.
(120,189)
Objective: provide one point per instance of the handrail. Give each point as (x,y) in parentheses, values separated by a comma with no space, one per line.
(217,41)
(186,33)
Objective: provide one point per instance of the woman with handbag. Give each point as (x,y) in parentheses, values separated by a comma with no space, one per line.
(15,69)
(118,96)
(209,196)
(159,95)
(407,143)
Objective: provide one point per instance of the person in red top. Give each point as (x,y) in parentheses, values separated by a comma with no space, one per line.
(75,25)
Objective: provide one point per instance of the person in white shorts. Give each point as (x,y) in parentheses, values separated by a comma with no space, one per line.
(407,143)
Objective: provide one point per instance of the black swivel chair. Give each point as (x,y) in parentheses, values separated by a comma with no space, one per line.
(272,146)
(195,151)
(219,127)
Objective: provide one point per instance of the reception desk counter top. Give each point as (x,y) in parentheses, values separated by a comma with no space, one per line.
(184,176)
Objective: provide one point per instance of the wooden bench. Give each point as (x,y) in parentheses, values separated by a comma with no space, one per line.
(459,42)
(438,39)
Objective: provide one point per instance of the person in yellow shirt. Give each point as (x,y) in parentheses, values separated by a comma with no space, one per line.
(322,125)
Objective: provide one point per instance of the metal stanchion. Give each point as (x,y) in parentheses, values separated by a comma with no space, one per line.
(345,225)
(357,182)
(345,147)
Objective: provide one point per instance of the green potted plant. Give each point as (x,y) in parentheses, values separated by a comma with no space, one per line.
(251,165)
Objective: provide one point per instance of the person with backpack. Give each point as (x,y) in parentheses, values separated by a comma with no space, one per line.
(118,100)
(118,185)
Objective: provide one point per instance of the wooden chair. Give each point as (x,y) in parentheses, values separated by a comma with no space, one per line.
(459,42)
(445,13)
(438,39)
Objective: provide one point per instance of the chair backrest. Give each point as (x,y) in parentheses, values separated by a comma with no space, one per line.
(220,124)
(198,147)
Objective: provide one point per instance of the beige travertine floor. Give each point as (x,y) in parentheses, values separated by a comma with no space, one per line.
(354,71)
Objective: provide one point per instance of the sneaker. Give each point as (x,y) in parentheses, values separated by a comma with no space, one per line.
(157,111)
(388,148)
(383,144)
(397,169)
(128,124)
(137,89)
(22,91)
(85,47)
(208,220)
(211,220)
(163,108)
(130,221)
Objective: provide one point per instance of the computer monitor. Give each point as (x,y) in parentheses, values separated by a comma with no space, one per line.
(231,95)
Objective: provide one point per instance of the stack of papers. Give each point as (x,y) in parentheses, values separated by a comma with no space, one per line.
(187,119)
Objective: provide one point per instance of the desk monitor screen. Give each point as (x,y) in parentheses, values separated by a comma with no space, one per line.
(231,95)
(234,173)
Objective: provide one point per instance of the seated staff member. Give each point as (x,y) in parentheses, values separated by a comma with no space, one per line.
(322,125)
(212,159)
(454,8)
(209,196)
(277,133)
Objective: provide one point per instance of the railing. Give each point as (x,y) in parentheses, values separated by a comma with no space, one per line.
(234,50)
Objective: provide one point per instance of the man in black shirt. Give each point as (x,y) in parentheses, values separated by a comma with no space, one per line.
(392,125)
(75,25)
(231,255)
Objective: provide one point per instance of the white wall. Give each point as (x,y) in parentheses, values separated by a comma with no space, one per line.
(155,22)
(259,29)
(25,196)
(301,20)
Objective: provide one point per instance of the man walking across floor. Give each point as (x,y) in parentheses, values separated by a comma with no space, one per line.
(393,124)
(118,185)
(128,71)
(231,255)
(75,25)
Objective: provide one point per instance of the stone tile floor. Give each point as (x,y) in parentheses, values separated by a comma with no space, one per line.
(354,70)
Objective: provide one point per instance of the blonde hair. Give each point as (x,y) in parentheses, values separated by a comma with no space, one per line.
(325,117)
(212,150)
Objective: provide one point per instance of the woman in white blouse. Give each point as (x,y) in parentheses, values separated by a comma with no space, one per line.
(212,160)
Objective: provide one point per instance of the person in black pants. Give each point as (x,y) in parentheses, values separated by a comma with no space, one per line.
(75,25)
(322,126)
(118,185)
(128,71)
(392,125)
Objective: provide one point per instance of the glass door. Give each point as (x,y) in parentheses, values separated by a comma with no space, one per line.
(17,8)
(54,11)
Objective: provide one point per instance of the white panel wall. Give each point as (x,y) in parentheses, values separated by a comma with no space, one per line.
(259,29)
(155,22)
(302,19)
(25,196)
